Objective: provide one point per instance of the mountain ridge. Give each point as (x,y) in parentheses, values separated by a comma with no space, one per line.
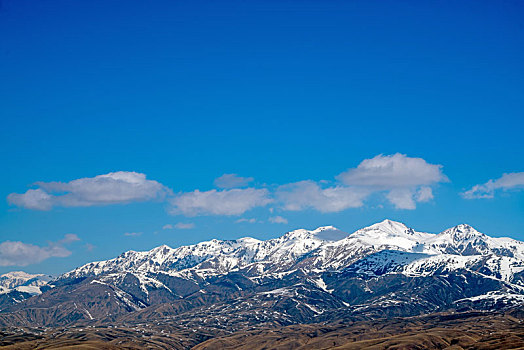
(307,241)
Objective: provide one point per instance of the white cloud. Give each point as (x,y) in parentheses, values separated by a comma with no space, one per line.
(16,253)
(112,188)
(226,202)
(277,220)
(405,180)
(393,171)
(232,181)
(308,194)
(487,190)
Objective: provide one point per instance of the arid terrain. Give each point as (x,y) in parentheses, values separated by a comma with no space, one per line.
(470,330)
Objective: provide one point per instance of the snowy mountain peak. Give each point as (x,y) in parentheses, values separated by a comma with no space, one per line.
(163,246)
(388,226)
(463,232)
(390,234)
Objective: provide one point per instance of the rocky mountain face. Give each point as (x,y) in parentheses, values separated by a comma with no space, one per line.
(215,287)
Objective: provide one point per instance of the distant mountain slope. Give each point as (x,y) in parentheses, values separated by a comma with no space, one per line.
(17,286)
(23,282)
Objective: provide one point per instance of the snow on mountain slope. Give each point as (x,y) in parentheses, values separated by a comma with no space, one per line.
(421,264)
(385,235)
(295,244)
(162,258)
(385,261)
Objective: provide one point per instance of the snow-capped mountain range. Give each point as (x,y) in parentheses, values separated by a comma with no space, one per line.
(325,248)
(302,276)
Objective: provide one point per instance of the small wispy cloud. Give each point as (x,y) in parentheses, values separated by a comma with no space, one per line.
(16,253)
(184,225)
(133,234)
(249,221)
(89,247)
(509,181)
(232,181)
(277,220)
(179,225)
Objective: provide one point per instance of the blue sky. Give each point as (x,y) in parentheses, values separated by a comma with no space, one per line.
(280,92)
